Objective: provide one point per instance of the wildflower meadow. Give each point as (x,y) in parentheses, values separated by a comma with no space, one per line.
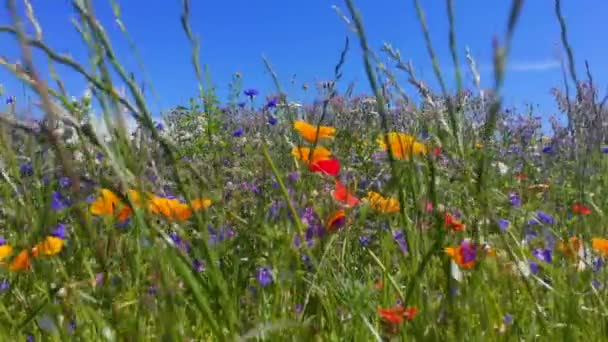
(387,213)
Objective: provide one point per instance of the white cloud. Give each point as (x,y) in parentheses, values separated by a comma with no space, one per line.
(526,66)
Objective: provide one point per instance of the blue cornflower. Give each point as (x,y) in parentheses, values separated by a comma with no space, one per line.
(534,267)
(298,308)
(99,156)
(543,255)
(364,240)
(548,150)
(597,264)
(64,182)
(507,319)
(514,199)
(273,121)
(26,169)
(251,93)
(264,276)
(59,202)
(272,103)
(237,133)
(503,225)
(159,126)
(4,285)
(604,150)
(2,241)
(60,231)
(198,266)
(10,99)
(545,218)
(242,104)
(400,239)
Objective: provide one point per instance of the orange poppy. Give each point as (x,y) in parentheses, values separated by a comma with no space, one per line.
(303,153)
(382,204)
(21,262)
(50,246)
(309,132)
(5,250)
(571,247)
(403,146)
(109,204)
(600,245)
(174,209)
(341,194)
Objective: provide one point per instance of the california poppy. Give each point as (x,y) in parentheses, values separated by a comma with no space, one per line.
(50,246)
(402,145)
(5,251)
(580,209)
(174,209)
(303,153)
(336,221)
(309,132)
(327,166)
(21,262)
(382,204)
(109,204)
(341,194)
(453,224)
(600,245)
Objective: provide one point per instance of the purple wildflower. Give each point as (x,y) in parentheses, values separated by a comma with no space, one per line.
(64,182)
(400,239)
(534,267)
(273,121)
(272,103)
(548,150)
(99,156)
(604,150)
(364,240)
(99,279)
(242,104)
(544,217)
(237,133)
(298,308)
(264,276)
(10,100)
(26,169)
(60,231)
(597,264)
(543,255)
(596,284)
(198,266)
(159,126)
(503,225)
(251,93)
(507,319)
(4,285)
(59,202)
(2,241)
(514,199)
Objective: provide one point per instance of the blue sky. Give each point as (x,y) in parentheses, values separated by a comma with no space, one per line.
(304,38)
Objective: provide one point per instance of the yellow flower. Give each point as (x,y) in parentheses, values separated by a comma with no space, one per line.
(50,246)
(174,209)
(302,153)
(600,245)
(105,204)
(478,146)
(309,132)
(21,262)
(382,204)
(5,250)
(402,145)
(201,203)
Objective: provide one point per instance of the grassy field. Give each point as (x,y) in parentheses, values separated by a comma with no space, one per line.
(431,216)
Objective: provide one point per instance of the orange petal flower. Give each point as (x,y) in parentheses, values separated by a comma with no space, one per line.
(21,262)
(50,246)
(571,247)
(5,250)
(201,203)
(382,204)
(109,204)
(341,194)
(600,245)
(309,132)
(403,146)
(336,221)
(303,153)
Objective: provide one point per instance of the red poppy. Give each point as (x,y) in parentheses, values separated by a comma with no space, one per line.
(328,166)
(397,314)
(521,176)
(453,224)
(581,209)
(341,194)
(437,151)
